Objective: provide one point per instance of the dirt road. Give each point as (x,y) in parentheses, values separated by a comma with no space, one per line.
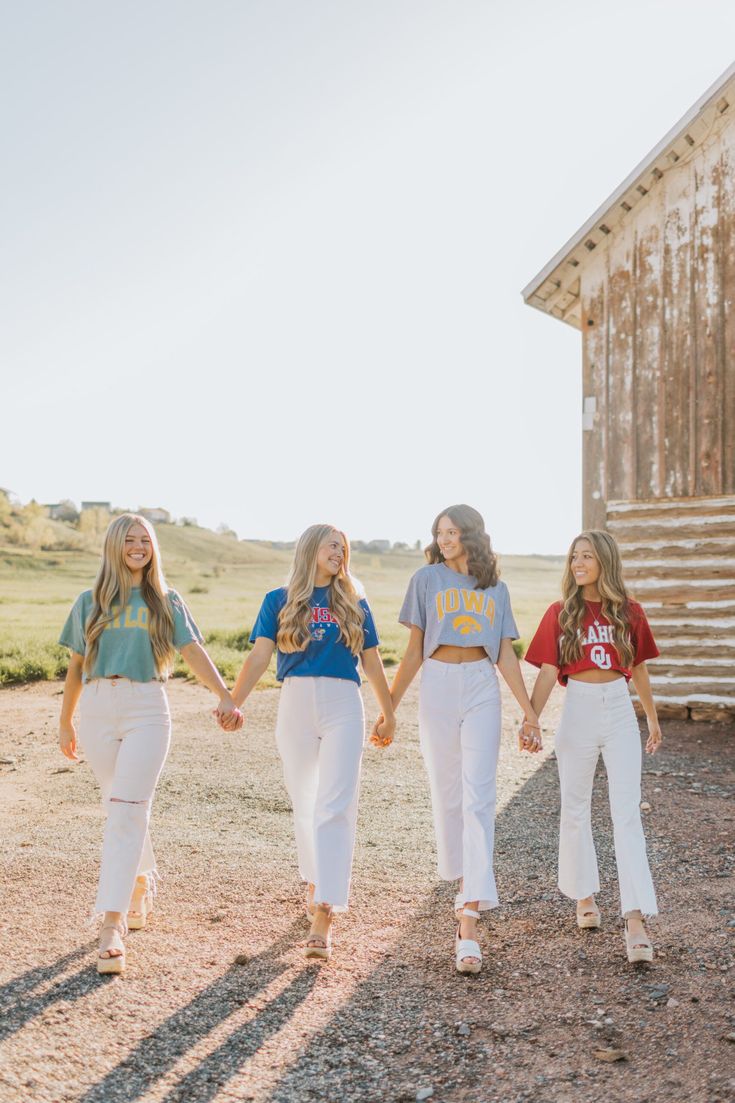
(218,1004)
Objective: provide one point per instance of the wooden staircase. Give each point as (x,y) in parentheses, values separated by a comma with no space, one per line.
(679,560)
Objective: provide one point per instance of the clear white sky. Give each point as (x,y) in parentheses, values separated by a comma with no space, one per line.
(261,261)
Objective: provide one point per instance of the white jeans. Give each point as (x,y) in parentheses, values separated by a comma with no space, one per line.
(459,732)
(124,729)
(600,718)
(320,734)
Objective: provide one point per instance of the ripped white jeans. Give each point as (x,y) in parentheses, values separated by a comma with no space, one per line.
(124,730)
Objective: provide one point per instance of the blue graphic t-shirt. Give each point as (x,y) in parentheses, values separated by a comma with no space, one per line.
(326,655)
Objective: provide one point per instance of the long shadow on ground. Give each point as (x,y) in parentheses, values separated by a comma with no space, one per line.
(18,1004)
(533,1025)
(191,1024)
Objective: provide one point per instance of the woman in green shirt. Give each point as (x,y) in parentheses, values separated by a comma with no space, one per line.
(123,635)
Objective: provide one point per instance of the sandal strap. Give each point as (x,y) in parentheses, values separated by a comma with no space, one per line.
(470,913)
(121,928)
(467,947)
(637,940)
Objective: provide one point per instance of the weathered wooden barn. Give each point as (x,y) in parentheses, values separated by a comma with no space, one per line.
(650,281)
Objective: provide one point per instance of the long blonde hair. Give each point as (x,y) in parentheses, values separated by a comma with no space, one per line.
(344,603)
(615,600)
(111,591)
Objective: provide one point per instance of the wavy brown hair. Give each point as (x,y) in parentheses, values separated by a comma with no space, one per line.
(344,602)
(614,595)
(482,562)
(111,591)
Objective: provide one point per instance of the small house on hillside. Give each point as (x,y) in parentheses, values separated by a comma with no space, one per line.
(97,505)
(156,516)
(62,511)
(649,280)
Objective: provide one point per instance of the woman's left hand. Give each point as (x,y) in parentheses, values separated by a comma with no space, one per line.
(654,737)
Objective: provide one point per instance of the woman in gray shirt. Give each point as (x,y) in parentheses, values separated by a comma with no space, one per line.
(462,626)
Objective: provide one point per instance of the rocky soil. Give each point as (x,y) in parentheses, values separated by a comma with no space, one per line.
(218,1003)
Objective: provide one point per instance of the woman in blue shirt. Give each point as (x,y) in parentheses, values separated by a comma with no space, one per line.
(123,635)
(320,626)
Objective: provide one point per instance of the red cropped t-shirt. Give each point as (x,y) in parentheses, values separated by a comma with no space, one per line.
(598,650)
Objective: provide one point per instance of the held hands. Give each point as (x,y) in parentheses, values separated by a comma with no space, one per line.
(228,715)
(529,735)
(383,731)
(68,740)
(654,737)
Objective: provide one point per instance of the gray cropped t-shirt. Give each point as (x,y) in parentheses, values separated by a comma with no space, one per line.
(449,609)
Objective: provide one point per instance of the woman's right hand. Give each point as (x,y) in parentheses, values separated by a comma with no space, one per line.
(68,740)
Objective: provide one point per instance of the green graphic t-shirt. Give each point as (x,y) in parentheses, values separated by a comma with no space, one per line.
(124,645)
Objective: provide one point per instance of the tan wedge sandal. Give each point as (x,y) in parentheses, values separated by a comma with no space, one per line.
(638,947)
(588,918)
(115,960)
(145,890)
(318,945)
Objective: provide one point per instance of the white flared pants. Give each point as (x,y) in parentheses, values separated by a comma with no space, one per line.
(599,718)
(124,729)
(320,735)
(459,733)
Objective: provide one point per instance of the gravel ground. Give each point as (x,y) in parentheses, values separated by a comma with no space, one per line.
(218,1004)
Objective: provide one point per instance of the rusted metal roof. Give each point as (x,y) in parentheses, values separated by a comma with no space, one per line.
(555,289)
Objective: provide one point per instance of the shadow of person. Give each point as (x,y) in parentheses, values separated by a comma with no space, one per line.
(204,1082)
(32,978)
(18,1014)
(168,1043)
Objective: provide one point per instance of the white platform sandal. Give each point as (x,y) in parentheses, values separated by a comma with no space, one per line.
(637,947)
(467,947)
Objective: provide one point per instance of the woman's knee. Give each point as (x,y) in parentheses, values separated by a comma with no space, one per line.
(128,811)
(576,810)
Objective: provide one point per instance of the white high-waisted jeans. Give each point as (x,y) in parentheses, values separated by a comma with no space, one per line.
(320,734)
(459,733)
(599,717)
(124,729)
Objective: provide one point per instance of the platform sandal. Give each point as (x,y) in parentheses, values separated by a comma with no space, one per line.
(138,918)
(115,961)
(467,947)
(318,945)
(638,947)
(588,917)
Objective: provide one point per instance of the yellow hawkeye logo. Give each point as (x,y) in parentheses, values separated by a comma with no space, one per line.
(464,603)
(465,625)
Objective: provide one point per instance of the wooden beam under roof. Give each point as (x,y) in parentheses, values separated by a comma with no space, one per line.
(552,289)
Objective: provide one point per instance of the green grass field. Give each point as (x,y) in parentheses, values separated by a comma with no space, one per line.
(223,581)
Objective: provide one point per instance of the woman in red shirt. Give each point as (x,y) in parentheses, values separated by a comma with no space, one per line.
(594,641)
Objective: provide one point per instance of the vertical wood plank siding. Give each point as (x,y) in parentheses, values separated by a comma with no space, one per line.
(726,322)
(594,384)
(659,354)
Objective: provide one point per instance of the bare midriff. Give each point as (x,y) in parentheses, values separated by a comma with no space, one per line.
(451,653)
(596,676)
